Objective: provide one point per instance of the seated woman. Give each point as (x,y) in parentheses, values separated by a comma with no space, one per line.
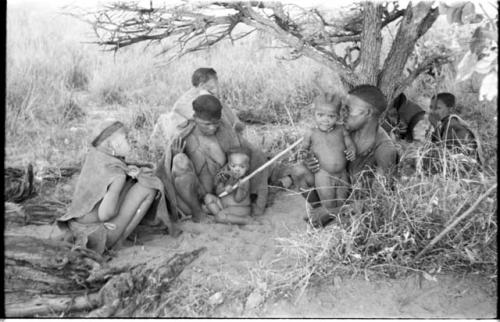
(111,196)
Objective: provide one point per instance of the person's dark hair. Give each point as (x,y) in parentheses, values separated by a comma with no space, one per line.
(202,75)
(207,107)
(240,150)
(399,101)
(371,95)
(330,99)
(413,122)
(106,133)
(447,98)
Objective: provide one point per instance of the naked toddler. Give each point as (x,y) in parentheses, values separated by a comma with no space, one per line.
(331,144)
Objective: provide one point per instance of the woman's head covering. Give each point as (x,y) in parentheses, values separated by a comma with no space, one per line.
(107,132)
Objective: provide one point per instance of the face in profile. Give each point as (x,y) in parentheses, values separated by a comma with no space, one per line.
(212,86)
(325,116)
(439,109)
(207,128)
(119,143)
(238,164)
(356,111)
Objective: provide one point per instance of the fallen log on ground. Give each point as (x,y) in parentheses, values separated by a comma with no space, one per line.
(45,278)
(35,211)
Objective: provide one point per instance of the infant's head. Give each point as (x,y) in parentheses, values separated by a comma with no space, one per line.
(239,162)
(327,111)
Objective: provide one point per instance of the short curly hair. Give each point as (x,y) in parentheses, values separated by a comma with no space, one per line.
(202,75)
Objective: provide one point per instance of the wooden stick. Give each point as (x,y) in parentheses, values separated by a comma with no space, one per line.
(51,305)
(262,167)
(455,222)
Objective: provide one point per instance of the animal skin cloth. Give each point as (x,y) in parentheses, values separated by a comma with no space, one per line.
(99,171)
(169,124)
(227,139)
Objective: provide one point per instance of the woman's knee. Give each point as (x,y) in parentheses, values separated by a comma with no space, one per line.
(181,165)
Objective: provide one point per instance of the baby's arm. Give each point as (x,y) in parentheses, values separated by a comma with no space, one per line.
(350,145)
(242,191)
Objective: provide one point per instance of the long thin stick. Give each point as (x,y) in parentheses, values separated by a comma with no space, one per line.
(455,222)
(262,167)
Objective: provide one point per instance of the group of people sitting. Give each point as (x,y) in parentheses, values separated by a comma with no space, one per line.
(206,160)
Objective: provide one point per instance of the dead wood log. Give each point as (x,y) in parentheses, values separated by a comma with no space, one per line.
(143,286)
(64,279)
(18,183)
(34,265)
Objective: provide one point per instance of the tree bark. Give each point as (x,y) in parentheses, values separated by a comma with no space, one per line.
(371,42)
(64,279)
(415,23)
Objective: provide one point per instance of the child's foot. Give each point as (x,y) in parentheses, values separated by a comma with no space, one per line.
(285,182)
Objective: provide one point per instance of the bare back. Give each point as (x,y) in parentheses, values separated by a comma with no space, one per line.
(329,148)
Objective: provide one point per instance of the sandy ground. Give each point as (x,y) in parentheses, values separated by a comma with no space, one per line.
(226,275)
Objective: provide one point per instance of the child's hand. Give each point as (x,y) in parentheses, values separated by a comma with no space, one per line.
(222,177)
(177,146)
(132,171)
(228,189)
(238,126)
(350,154)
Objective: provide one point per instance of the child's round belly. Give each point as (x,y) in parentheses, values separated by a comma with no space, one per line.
(333,163)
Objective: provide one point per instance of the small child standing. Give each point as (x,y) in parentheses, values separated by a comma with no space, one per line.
(234,208)
(331,144)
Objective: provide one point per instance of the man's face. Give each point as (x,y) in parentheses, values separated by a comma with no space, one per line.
(357,113)
(207,128)
(212,86)
(325,116)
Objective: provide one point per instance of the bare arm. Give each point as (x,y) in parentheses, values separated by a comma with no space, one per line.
(109,204)
(351,149)
(242,191)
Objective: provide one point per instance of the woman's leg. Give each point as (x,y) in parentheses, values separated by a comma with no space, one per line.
(135,205)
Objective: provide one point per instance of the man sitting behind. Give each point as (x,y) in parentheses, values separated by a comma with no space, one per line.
(452,129)
(205,82)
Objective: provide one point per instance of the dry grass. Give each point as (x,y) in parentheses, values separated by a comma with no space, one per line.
(382,230)
(55,82)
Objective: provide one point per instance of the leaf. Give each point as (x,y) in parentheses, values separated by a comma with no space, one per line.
(486,64)
(468,13)
(429,277)
(466,66)
(488,88)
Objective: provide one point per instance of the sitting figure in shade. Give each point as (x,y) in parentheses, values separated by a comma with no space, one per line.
(205,82)
(234,208)
(456,134)
(332,146)
(112,196)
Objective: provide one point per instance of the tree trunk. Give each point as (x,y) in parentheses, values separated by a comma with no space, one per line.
(371,43)
(43,277)
(414,24)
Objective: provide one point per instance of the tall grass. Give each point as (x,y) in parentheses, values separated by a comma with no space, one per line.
(59,89)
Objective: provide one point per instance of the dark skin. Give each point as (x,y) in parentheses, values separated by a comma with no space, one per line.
(193,189)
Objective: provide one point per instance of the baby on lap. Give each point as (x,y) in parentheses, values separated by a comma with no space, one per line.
(234,208)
